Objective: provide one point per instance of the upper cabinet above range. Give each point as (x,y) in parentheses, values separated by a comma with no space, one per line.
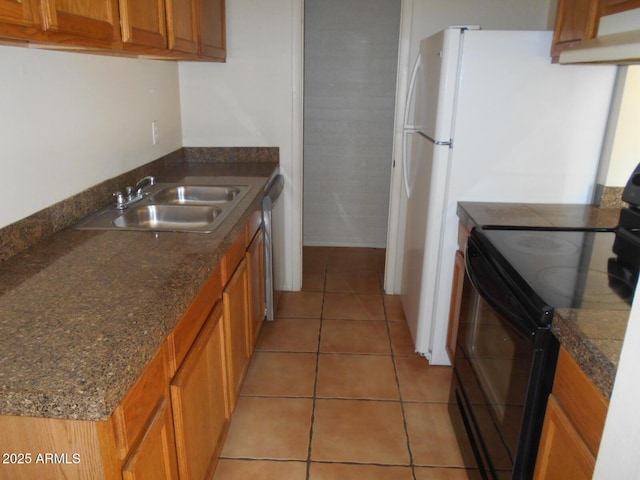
(577,21)
(168,29)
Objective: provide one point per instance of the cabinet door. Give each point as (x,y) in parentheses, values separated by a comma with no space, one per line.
(90,22)
(562,452)
(454,310)
(143,23)
(256,279)
(576,21)
(154,458)
(16,12)
(213,29)
(182,25)
(609,7)
(200,403)
(236,323)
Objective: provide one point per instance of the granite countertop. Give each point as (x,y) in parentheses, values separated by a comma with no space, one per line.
(536,215)
(593,337)
(82,312)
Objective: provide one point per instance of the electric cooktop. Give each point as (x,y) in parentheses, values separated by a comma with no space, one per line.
(566,269)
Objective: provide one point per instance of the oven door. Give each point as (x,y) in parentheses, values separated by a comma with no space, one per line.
(504,369)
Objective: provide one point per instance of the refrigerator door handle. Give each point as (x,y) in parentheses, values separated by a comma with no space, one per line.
(405,163)
(409,129)
(446,143)
(412,87)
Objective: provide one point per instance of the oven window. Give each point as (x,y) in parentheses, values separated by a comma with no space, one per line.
(499,358)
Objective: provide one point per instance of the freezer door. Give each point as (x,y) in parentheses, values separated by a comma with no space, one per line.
(435,87)
(428,178)
(527,130)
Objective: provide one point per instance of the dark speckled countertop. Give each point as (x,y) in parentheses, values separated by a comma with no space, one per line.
(593,337)
(82,312)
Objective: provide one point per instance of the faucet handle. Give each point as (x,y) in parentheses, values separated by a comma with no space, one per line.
(121,203)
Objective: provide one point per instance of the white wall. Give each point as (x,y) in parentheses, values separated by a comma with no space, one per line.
(431,16)
(254,99)
(70,121)
(351,53)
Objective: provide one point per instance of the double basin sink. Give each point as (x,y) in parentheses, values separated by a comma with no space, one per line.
(170,207)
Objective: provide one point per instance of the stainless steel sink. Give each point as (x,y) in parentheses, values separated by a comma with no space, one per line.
(171,218)
(196,194)
(167,207)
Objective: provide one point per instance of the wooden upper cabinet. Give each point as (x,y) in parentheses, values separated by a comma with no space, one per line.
(171,29)
(87,22)
(609,7)
(16,12)
(143,24)
(182,25)
(212,30)
(576,21)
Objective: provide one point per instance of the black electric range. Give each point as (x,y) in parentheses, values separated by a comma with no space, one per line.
(505,353)
(565,269)
(505,357)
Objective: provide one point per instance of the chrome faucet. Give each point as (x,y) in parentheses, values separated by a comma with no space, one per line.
(145,182)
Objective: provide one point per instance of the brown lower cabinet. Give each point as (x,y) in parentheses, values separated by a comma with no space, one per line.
(236,323)
(573,425)
(173,421)
(154,456)
(563,452)
(200,404)
(255,263)
(456,304)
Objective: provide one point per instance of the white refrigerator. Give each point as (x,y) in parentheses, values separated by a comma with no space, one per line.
(489,119)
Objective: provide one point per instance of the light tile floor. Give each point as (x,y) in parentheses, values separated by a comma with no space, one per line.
(335,390)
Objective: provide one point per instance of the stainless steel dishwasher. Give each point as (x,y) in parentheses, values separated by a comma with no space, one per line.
(273,191)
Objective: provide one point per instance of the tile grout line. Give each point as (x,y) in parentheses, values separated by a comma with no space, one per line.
(395,370)
(315,381)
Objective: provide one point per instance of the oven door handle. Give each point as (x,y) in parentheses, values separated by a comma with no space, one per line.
(495,291)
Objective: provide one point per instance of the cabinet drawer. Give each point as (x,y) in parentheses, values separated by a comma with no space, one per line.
(187,329)
(583,403)
(233,257)
(136,409)
(254,225)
